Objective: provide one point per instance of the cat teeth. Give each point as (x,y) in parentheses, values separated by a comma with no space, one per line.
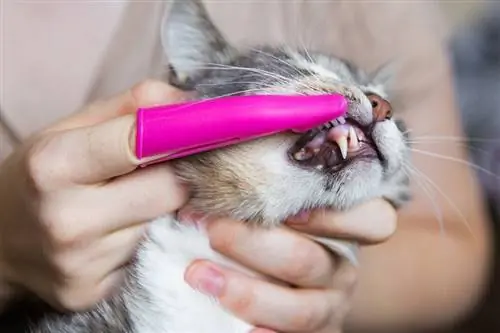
(342,143)
(302,155)
(339,135)
(334,123)
(339,132)
(346,138)
(353,139)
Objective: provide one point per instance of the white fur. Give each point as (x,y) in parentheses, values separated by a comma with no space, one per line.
(175,307)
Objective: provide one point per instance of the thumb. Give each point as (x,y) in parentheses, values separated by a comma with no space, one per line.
(98,144)
(144,94)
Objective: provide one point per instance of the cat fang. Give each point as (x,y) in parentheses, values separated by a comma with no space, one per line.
(333,145)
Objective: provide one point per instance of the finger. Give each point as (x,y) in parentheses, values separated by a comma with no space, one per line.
(90,212)
(77,297)
(85,155)
(87,296)
(96,153)
(370,223)
(262,330)
(142,196)
(345,278)
(112,252)
(261,303)
(280,253)
(109,284)
(92,260)
(91,274)
(147,93)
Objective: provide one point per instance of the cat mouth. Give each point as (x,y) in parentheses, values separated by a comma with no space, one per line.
(334,146)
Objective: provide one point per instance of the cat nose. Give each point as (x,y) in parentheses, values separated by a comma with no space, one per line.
(381,108)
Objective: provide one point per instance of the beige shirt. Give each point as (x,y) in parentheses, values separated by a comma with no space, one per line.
(59,55)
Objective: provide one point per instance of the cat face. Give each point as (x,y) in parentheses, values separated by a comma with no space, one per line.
(270,179)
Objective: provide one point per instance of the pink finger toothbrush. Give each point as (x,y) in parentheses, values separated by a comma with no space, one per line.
(173,131)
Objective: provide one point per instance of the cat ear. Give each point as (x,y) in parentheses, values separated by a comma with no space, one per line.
(191,41)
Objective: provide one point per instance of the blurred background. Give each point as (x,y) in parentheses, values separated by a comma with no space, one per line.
(460,12)
(474,31)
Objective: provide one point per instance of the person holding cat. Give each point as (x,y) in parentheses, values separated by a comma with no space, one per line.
(70,219)
(83,262)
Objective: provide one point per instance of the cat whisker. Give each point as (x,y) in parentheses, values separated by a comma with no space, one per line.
(407,132)
(229,83)
(263,73)
(303,43)
(225,95)
(310,59)
(278,59)
(447,198)
(410,171)
(454,139)
(308,55)
(465,145)
(457,160)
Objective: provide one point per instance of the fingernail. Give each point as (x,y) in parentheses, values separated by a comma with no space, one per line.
(300,218)
(158,93)
(205,279)
(147,161)
(153,92)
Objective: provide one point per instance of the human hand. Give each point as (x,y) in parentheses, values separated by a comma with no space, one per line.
(71,211)
(305,288)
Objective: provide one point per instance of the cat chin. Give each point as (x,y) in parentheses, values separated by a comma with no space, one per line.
(281,189)
(257,182)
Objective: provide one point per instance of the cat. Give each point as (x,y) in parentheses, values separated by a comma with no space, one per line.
(261,182)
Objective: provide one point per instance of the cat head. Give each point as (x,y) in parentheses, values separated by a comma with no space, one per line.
(270,179)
